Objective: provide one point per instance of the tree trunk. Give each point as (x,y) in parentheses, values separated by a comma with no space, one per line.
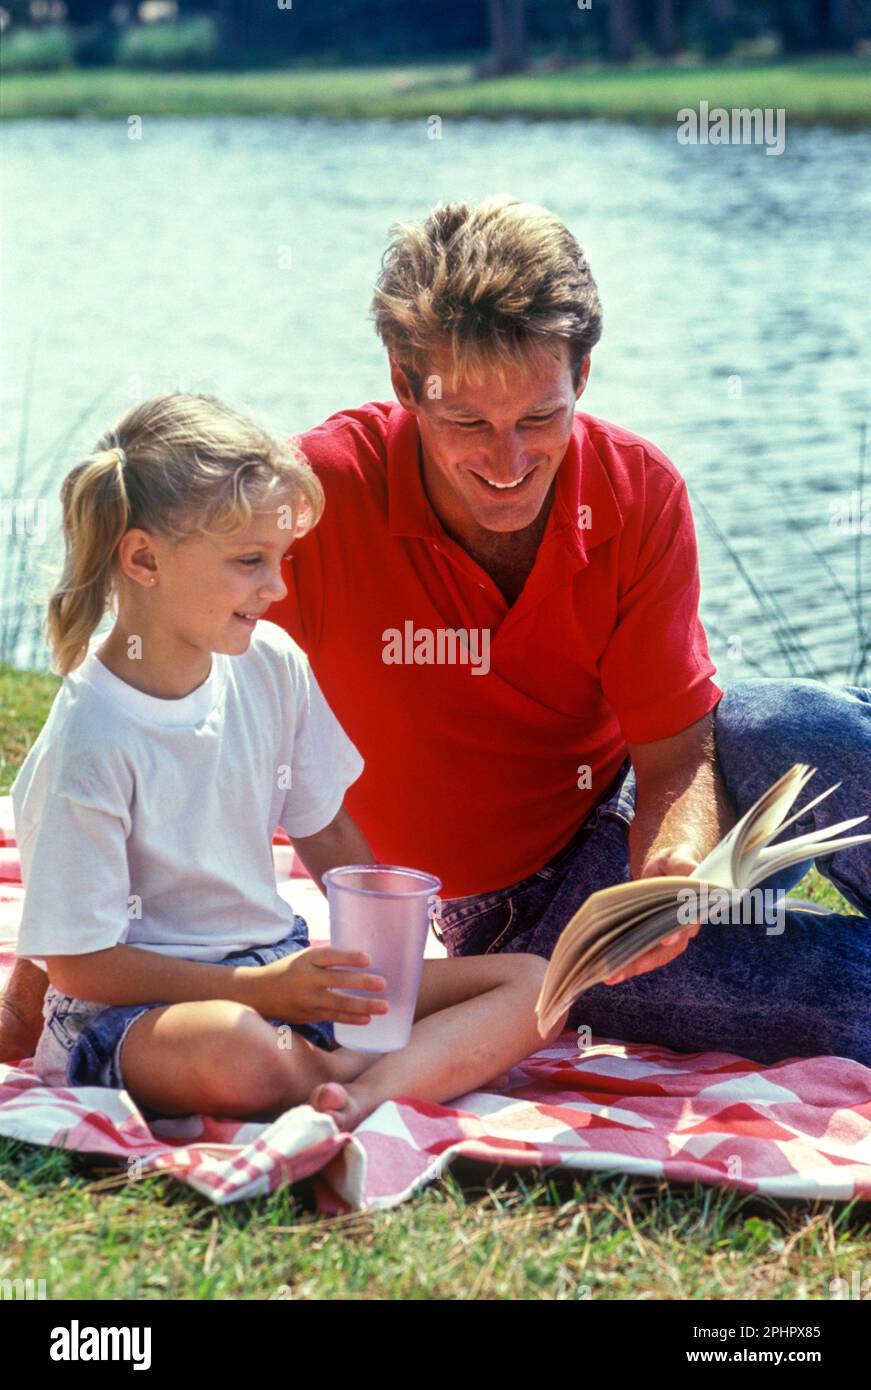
(719,20)
(81,12)
(666,34)
(507,35)
(620,30)
(228,17)
(840,26)
(799,31)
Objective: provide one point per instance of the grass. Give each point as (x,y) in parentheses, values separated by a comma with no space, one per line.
(91,1233)
(517,1237)
(25,698)
(831,90)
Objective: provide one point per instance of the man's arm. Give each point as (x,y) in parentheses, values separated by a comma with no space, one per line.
(21,1011)
(682,808)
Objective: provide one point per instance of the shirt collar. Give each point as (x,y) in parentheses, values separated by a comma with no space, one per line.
(409,510)
(582,481)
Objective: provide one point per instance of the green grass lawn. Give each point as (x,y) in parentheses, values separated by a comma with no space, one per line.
(90,1232)
(831,90)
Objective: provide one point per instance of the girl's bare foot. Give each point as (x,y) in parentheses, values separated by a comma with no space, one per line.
(348,1109)
(339,1102)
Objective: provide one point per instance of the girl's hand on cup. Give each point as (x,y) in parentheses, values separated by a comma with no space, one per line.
(307,988)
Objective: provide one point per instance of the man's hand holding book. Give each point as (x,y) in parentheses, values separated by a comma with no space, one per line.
(682,861)
(631,927)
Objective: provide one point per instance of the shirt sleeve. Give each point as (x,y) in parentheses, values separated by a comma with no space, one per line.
(324,762)
(74,864)
(656,669)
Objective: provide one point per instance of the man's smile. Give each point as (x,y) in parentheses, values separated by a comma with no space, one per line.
(492,486)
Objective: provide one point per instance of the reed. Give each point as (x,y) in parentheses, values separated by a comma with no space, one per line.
(22,609)
(780,630)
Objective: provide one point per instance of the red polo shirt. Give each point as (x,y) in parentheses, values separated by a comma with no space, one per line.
(477,774)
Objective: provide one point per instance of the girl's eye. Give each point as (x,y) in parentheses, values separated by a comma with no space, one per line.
(256,559)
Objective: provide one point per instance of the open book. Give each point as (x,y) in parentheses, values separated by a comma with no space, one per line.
(617,925)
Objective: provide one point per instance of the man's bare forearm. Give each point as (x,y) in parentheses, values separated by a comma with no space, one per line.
(689,806)
(21,1011)
(25,989)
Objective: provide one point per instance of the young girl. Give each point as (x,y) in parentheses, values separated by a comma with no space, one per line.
(147,805)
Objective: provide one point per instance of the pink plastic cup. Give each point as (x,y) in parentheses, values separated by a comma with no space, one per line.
(384,910)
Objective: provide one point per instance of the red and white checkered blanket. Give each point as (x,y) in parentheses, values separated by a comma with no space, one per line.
(801,1128)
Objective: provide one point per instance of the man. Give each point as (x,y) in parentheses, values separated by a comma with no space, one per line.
(500,604)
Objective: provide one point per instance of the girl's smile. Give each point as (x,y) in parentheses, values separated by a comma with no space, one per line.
(172,596)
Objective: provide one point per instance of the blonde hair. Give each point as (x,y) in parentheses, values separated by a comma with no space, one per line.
(177,465)
(488,282)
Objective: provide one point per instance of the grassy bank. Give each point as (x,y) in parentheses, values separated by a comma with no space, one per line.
(834,91)
(91,1233)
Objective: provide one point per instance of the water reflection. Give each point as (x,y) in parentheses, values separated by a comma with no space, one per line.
(238,256)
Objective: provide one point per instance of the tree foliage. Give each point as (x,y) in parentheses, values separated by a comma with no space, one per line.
(510,32)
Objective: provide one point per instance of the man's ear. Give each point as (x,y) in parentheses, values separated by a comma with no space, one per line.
(582,379)
(401,386)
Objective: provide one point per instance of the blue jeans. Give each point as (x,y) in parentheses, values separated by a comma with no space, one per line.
(736,988)
(81,1041)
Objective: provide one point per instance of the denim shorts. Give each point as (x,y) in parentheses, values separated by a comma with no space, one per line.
(81,1042)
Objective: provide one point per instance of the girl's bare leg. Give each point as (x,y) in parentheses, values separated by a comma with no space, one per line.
(475,1017)
(219,1057)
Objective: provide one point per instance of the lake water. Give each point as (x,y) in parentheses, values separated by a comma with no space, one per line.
(238,257)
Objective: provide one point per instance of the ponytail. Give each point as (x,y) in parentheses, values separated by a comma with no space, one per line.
(96,513)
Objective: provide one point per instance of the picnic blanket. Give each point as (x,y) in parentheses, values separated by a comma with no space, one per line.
(797,1129)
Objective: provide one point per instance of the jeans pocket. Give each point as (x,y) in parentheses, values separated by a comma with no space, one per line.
(506,933)
(476,928)
(619,804)
(62,1021)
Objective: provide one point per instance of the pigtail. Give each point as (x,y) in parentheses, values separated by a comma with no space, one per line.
(95,515)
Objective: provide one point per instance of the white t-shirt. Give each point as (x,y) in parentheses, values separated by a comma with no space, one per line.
(150,822)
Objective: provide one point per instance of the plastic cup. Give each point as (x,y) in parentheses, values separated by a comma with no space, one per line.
(384,910)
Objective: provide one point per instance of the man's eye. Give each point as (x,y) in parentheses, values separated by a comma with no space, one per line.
(531,420)
(254,561)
